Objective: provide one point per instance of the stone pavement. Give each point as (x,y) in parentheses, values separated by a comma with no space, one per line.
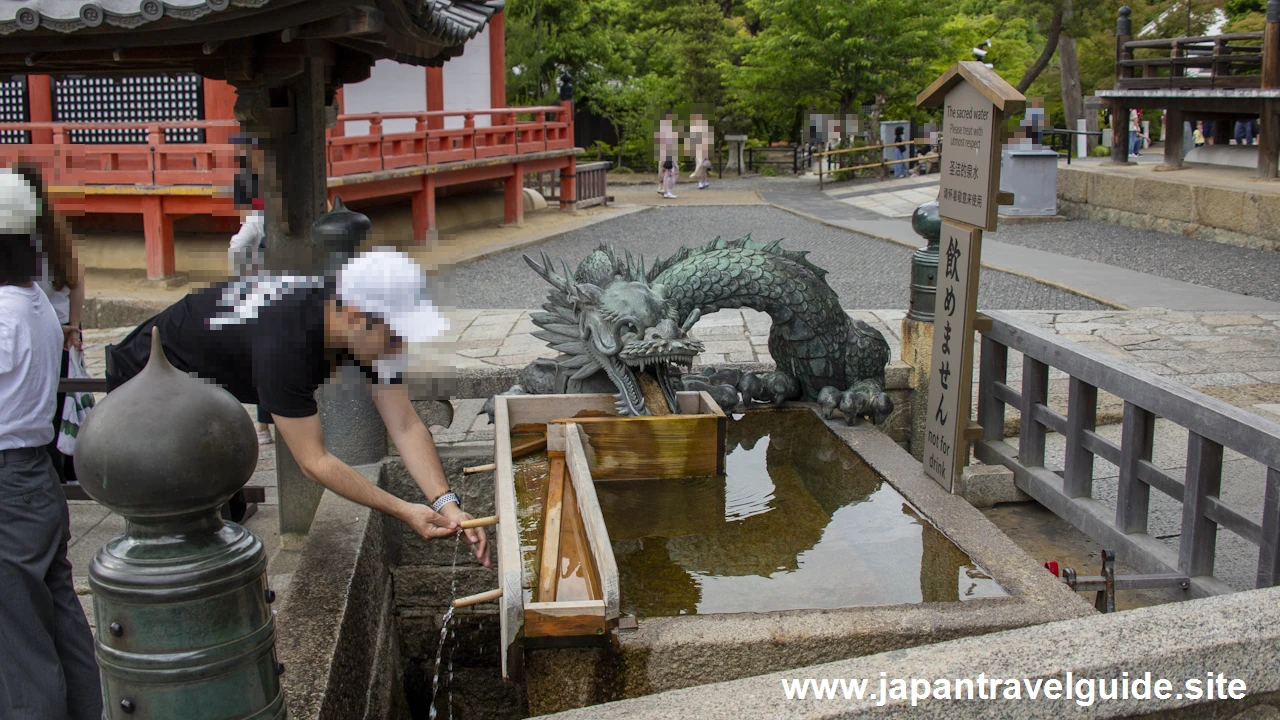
(897,198)
(1114,285)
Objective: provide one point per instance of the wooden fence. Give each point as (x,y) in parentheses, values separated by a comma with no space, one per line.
(1211,425)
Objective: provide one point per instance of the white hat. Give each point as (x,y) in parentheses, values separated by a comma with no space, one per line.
(388,284)
(19,205)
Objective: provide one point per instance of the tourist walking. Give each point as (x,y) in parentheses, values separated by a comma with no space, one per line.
(669,178)
(49,671)
(1244,132)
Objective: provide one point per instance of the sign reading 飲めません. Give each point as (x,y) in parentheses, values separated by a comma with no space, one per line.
(970,157)
(950,378)
(974,102)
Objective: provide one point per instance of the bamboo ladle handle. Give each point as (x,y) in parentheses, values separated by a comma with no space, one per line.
(477,598)
(478,522)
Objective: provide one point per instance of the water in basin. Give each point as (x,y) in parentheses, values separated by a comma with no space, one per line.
(799,521)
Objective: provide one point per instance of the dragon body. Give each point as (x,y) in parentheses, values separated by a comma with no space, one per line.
(613,321)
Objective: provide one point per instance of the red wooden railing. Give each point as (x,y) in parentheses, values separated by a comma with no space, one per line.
(154,162)
(160,163)
(507,134)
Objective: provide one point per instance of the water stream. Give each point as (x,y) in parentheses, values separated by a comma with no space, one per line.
(445,629)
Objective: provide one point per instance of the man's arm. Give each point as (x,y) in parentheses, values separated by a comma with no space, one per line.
(418,451)
(305,439)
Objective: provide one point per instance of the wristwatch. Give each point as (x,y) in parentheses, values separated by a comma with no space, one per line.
(445,499)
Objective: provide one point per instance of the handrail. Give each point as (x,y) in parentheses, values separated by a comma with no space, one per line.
(1170,42)
(122,125)
(414,115)
(1211,425)
(917,141)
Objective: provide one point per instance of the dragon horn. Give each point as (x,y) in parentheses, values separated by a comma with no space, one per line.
(689,321)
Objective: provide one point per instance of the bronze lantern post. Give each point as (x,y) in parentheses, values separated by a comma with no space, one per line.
(181,599)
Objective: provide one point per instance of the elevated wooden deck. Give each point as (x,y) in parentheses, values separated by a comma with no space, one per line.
(1222,78)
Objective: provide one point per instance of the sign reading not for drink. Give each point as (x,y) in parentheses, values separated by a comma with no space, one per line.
(947,414)
(970,148)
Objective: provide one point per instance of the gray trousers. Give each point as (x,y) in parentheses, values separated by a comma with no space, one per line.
(48,670)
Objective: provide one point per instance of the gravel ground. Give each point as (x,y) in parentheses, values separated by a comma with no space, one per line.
(867,273)
(1224,267)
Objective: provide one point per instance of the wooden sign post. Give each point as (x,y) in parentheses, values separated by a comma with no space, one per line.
(975,103)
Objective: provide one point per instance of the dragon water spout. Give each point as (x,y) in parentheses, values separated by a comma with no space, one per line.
(622,328)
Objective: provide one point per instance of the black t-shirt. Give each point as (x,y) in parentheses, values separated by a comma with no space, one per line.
(265,348)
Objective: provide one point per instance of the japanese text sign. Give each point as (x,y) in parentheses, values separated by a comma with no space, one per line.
(947,414)
(971,138)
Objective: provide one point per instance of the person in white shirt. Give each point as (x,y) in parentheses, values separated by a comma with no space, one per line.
(245,255)
(49,671)
(62,280)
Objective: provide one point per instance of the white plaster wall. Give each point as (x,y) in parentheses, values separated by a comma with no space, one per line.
(391,87)
(466,81)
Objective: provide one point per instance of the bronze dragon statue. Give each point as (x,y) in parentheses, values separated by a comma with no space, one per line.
(622,328)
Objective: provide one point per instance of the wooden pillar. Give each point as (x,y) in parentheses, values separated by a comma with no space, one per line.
(158,232)
(40,104)
(424,211)
(294,181)
(514,195)
(219,104)
(498,61)
(1119,110)
(1173,138)
(1269,139)
(569,185)
(1119,133)
(435,96)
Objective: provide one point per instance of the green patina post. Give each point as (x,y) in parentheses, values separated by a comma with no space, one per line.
(181,600)
(924,262)
(917,326)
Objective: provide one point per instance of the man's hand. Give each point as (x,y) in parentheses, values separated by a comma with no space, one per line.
(429,524)
(71,338)
(476,536)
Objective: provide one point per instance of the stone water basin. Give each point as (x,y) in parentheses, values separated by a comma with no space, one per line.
(820,542)
(798,521)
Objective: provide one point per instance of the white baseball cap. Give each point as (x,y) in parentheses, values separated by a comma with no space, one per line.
(19,205)
(388,284)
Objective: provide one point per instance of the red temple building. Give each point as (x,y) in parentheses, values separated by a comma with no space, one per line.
(153,153)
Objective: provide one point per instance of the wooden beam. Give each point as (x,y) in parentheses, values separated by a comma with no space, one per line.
(565,619)
(357,20)
(549,563)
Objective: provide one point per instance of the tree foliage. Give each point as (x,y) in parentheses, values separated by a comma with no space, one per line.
(761,66)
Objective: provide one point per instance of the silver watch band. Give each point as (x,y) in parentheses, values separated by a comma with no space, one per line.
(445,499)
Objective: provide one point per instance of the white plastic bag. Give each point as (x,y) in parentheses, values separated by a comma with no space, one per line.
(76,406)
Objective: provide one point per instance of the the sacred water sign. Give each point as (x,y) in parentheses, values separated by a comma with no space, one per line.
(975,100)
(970,157)
(950,380)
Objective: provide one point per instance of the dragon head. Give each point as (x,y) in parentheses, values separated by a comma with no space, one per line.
(608,317)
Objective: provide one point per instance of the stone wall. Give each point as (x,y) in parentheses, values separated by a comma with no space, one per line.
(335,632)
(1235,635)
(1232,217)
(427,575)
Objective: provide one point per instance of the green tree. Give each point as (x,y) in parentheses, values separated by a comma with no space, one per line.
(833,55)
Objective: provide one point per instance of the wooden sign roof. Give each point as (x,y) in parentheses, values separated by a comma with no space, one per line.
(993,87)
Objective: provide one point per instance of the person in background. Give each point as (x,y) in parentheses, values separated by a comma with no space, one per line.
(1244,132)
(899,153)
(49,671)
(245,256)
(1136,136)
(1198,135)
(669,178)
(62,280)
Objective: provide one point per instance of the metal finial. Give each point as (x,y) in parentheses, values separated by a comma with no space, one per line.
(1124,26)
(1273,11)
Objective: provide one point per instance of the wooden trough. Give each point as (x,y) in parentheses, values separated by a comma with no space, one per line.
(574,596)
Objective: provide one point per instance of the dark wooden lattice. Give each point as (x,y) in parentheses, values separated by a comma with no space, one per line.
(13,108)
(139,98)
